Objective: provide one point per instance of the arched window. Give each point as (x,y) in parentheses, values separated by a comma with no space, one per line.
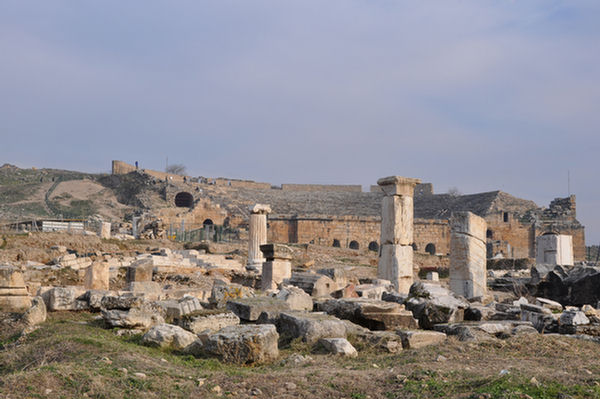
(184,200)
(353,245)
(373,246)
(207,222)
(430,248)
(336,243)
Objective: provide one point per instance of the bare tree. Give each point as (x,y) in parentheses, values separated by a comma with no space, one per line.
(176,169)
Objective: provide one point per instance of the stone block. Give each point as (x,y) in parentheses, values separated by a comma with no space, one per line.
(315,285)
(140,271)
(244,344)
(105,230)
(149,289)
(418,338)
(397,220)
(210,321)
(396,265)
(276,251)
(296,298)
(67,298)
(338,346)
(398,185)
(249,309)
(169,336)
(97,276)
(274,272)
(370,313)
(311,327)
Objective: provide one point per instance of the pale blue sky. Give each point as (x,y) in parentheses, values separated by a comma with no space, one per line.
(479,95)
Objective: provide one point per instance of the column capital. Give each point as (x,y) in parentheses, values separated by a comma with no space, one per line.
(260,209)
(398,185)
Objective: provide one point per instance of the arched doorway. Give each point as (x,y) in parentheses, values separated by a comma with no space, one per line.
(208,222)
(336,243)
(184,200)
(373,246)
(430,248)
(353,245)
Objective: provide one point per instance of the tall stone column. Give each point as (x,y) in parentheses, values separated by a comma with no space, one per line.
(468,274)
(257,235)
(396,256)
(277,267)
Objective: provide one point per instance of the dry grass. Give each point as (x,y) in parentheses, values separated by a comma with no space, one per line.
(73,357)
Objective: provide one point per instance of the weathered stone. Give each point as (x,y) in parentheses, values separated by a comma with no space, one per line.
(67,298)
(184,306)
(169,336)
(249,309)
(477,312)
(468,274)
(432,304)
(296,298)
(370,313)
(244,344)
(348,291)
(315,285)
(397,220)
(104,232)
(36,314)
(554,249)
(338,275)
(97,276)
(208,321)
(140,271)
(274,272)
(396,265)
(338,346)
(110,302)
(541,318)
(573,318)
(276,251)
(311,326)
(14,296)
(144,317)
(371,291)
(148,289)
(221,293)
(418,338)
(550,304)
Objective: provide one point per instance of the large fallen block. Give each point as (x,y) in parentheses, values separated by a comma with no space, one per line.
(244,344)
(169,336)
(370,313)
(249,309)
(418,338)
(208,320)
(315,285)
(310,327)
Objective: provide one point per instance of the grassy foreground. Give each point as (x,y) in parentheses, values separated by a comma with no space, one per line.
(71,356)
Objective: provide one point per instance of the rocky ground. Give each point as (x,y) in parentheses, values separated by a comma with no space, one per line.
(154,318)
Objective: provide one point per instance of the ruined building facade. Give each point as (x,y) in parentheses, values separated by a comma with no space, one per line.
(344,216)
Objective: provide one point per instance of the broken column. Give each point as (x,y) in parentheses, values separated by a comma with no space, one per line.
(277,267)
(468,275)
(105,230)
(14,296)
(396,256)
(257,235)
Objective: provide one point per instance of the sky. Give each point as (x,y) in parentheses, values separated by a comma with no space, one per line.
(475,95)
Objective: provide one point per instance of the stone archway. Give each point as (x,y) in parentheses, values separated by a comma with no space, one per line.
(353,245)
(373,246)
(184,200)
(430,248)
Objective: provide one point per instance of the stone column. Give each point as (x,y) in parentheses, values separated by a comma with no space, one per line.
(468,272)
(105,230)
(396,253)
(277,267)
(257,235)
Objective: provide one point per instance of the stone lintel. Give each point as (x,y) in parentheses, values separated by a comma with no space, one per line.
(398,185)
(260,209)
(276,251)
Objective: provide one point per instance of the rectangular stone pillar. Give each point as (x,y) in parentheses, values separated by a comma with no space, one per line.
(257,235)
(396,252)
(97,276)
(468,272)
(277,267)
(105,230)
(554,249)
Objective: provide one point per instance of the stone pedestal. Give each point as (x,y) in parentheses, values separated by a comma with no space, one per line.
(13,292)
(277,267)
(396,253)
(105,230)
(468,272)
(257,235)
(554,249)
(97,276)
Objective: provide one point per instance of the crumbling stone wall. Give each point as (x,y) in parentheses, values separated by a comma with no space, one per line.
(322,187)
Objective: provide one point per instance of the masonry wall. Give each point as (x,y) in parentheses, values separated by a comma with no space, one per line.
(436,232)
(511,237)
(240,183)
(322,187)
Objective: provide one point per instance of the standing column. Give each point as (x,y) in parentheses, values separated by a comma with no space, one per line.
(257,235)
(468,274)
(396,256)
(105,230)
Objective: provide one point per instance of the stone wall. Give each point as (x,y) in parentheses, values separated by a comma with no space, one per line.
(431,232)
(221,181)
(322,187)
